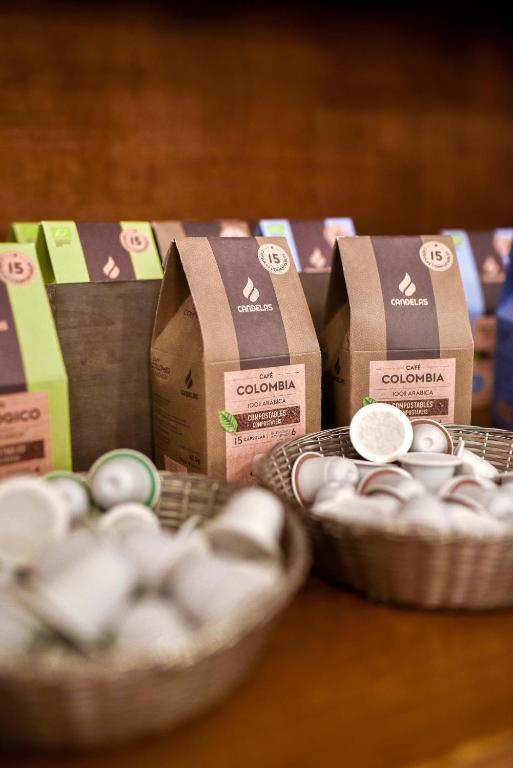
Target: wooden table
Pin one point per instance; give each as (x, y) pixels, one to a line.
(347, 683)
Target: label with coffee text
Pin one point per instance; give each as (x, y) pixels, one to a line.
(25, 444)
(420, 388)
(263, 406)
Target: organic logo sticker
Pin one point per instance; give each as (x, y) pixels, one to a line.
(407, 286)
(250, 291)
(228, 421)
(61, 235)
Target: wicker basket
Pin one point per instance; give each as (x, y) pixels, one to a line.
(76, 702)
(425, 570)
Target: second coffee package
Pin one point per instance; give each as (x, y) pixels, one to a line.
(396, 329)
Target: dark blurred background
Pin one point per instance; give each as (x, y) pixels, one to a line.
(401, 120)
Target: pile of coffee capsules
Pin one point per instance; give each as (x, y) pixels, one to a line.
(410, 477)
(84, 564)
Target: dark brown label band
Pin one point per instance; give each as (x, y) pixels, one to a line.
(105, 257)
(201, 228)
(313, 250)
(256, 314)
(12, 374)
(489, 266)
(408, 298)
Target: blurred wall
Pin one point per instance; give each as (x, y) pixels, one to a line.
(151, 111)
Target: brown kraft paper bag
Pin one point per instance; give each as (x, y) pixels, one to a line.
(396, 329)
(235, 360)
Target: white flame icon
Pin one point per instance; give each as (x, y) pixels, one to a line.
(250, 291)
(111, 269)
(407, 286)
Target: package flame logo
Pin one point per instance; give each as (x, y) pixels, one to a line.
(407, 286)
(250, 291)
(188, 379)
(111, 269)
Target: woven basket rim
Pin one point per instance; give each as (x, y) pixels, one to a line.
(204, 642)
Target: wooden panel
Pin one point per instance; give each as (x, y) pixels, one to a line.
(105, 333)
(136, 111)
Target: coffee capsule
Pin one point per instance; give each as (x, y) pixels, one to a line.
(155, 553)
(18, 626)
(151, 624)
(250, 524)
(74, 492)
(81, 588)
(386, 475)
(431, 469)
(469, 486)
(312, 470)
(381, 432)
(425, 512)
(122, 476)
(33, 514)
(430, 436)
(124, 518)
(212, 589)
(472, 464)
(365, 467)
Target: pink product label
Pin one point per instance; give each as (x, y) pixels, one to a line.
(174, 466)
(420, 388)
(264, 406)
(24, 434)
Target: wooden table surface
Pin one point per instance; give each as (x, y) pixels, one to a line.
(347, 683)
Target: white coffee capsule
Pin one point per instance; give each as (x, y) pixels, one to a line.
(125, 518)
(425, 512)
(33, 514)
(74, 492)
(430, 436)
(79, 596)
(213, 589)
(476, 465)
(381, 432)
(467, 485)
(250, 524)
(18, 626)
(122, 476)
(431, 469)
(312, 470)
(386, 475)
(151, 623)
(155, 554)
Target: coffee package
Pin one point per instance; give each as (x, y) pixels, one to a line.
(23, 232)
(311, 243)
(166, 231)
(502, 409)
(483, 258)
(34, 412)
(397, 329)
(235, 362)
(97, 252)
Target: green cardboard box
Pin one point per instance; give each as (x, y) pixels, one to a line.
(97, 252)
(34, 410)
(23, 232)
